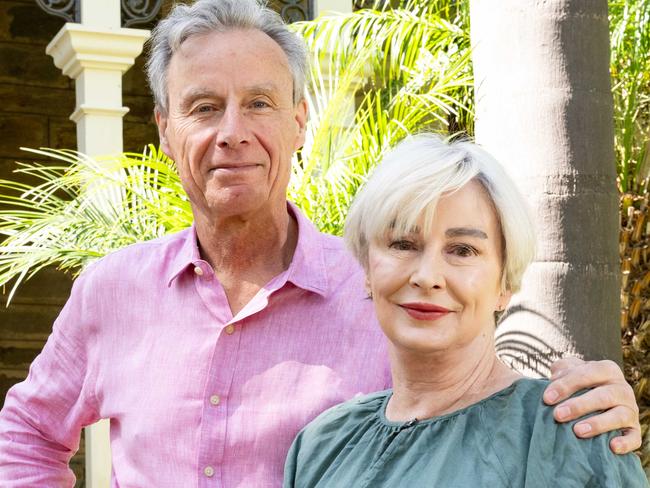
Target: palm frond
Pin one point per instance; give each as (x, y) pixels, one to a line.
(378, 75)
(630, 70)
(84, 209)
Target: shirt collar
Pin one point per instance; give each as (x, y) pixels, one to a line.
(187, 255)
(307, 269)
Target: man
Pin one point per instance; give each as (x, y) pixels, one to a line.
(209, 349)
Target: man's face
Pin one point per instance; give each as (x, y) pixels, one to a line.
(231, 125)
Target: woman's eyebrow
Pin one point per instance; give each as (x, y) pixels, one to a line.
(465, 231)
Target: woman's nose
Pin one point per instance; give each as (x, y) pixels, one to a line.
(428, 274)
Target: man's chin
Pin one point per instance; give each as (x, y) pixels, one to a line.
(233, 203)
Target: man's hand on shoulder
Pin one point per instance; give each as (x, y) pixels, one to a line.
(610, 393)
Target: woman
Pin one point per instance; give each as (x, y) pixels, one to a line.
(444, 238)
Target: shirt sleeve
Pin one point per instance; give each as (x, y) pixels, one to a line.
(42, 418)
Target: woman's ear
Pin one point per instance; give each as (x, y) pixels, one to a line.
(503, 300)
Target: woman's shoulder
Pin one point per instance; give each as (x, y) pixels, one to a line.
(319, 442)
(524, 431)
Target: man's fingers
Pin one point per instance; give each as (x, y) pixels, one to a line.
(628, 442)
(616, 398)
(560, 367)
(571, 375)
(611, 395)
(613, 418)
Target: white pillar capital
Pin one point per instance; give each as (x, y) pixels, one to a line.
(76, 47)
(96, 58)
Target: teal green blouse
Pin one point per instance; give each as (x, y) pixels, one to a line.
(506, 440)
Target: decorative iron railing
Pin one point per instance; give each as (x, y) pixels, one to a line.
(133, 11)
(142, 11)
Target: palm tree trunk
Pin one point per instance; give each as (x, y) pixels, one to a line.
(544, 109)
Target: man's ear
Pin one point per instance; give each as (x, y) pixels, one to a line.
(161, 122)
(301, 115)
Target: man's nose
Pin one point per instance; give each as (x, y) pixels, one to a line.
(428, 273)
(232, 130)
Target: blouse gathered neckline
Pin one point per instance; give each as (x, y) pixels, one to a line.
(381, 412)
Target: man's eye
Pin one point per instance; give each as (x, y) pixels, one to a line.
(201, 109)
(259, 104)
(402, 245)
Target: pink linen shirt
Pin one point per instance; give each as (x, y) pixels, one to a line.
(195, 396)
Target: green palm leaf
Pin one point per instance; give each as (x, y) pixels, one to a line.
(86, 208)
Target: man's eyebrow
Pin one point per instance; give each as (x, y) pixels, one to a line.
(262, 89)
(465, 231)
(188, 97)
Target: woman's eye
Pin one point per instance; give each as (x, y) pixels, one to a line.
(463, 250)
(402, 245)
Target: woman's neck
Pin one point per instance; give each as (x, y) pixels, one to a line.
(431, 384)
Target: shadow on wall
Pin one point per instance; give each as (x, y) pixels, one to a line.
(524, 351)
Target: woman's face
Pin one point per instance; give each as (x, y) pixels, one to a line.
(438, 291)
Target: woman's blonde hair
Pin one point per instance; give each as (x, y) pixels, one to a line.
(407, 184)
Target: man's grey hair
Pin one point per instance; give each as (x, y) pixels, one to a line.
(206, 16)
(412, 177)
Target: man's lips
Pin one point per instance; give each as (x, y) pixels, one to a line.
(424, 311)
(234, 167)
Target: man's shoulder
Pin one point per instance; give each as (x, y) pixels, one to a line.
(139, 258)
(337, 256)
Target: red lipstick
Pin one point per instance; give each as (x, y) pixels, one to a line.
(424, 311)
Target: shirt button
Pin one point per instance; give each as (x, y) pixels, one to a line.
(230, 329)
(198, 271)
(208, 471)
(214, 400)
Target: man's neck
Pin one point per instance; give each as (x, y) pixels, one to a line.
(247, 252)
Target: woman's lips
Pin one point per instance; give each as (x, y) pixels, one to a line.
(424, 311)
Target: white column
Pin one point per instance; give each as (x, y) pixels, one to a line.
(96, 53)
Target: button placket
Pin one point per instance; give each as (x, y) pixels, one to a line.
(214, 421)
